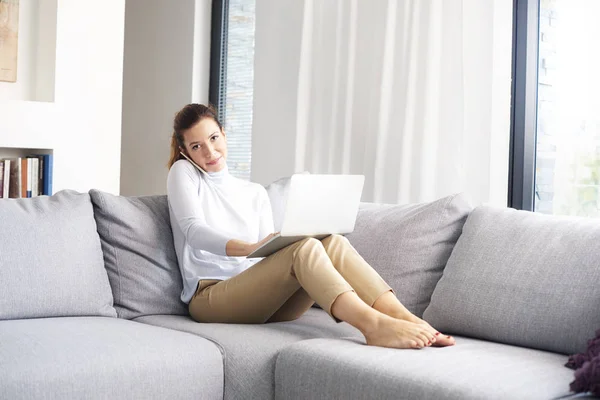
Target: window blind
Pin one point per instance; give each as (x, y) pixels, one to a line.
(236, 83)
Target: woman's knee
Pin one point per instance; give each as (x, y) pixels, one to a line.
(308, 246)
(335, 239)
(309, 243)
(338, 238)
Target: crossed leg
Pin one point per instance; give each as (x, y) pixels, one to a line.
(374, 292)
(362, 277)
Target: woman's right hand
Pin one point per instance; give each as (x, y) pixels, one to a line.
(239, 248)
(256, 245)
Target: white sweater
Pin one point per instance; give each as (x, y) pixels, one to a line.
(208, 210)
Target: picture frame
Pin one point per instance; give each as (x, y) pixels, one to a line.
(9, 39)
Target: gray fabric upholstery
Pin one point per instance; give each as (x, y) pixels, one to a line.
(409, 245)
(105, 358)
(472, 369)
(250, 350)
(522, 278)
(139, 255)
(50, 258)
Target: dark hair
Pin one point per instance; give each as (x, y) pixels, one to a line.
(187, 117)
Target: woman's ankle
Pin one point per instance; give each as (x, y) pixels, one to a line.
(349, 308)
(389, 305)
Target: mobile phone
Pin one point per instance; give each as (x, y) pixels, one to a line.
(193, 163)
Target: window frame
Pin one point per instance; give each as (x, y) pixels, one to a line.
(524, 87)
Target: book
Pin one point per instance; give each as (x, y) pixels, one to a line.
(35, 165)
(14, 189)
(29, 170)
(41, 175)
(6, 184)
(23, 177)
(48, 164)
(1, 178)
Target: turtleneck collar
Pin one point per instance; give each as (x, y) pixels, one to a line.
(219, 176)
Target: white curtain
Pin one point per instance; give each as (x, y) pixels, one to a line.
(414, 94)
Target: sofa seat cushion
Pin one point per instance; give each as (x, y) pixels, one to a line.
(105, 358)
(472, 369)
(250, 350)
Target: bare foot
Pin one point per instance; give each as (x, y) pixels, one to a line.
(389, 305)
(399, 334)
(441, 340)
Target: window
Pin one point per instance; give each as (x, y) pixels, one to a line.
(556, 123)
(232, 77)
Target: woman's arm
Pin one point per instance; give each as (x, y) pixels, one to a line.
(182, 190)
(265, 229)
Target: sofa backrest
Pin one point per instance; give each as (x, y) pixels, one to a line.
(51, 262)
(522, 278)
(139, 255)
(408, 245)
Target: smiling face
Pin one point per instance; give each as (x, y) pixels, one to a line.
(206, 144)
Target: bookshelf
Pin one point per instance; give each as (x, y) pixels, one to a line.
(12, 152)
(27, 106)
(26, 172)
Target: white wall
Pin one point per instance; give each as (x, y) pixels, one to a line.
(276, 71)
(166, 66)
(83, 123)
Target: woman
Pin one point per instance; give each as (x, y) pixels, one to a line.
(217, 220)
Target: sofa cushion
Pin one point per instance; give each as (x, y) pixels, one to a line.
(522, 278)
(250, 350)
(50, 258)
(105, 358)
(139, 255)
(409, 244)
(472, 369)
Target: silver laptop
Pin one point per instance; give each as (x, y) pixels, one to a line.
(316, 206)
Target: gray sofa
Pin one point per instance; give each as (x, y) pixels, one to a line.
(90, 308)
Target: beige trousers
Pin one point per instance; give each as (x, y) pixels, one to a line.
(286, 284)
